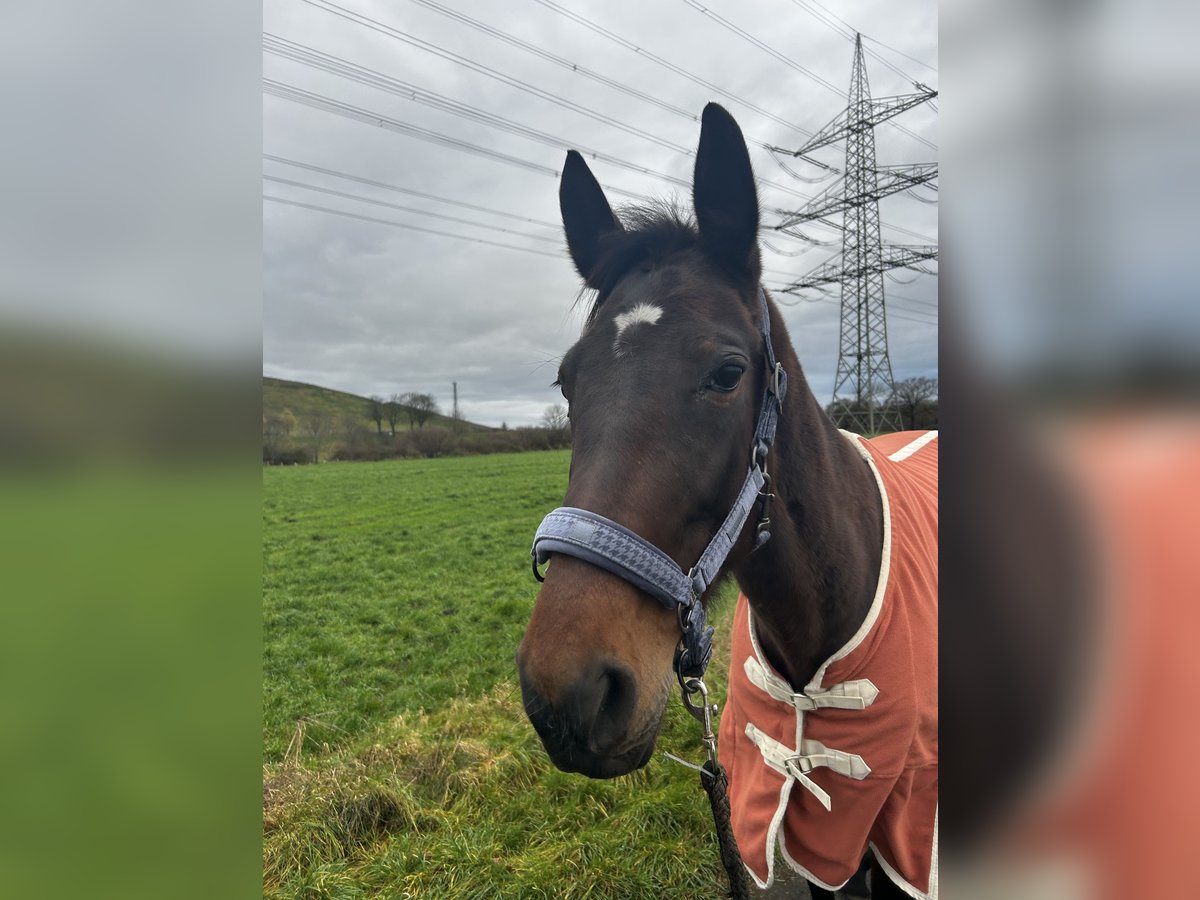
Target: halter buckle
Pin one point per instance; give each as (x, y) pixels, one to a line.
(762, 533)
(777, 383)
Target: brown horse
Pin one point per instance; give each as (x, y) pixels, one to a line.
(663, 389)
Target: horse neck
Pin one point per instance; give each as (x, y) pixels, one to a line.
(811, 585)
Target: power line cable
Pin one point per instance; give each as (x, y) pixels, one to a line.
(335, 65)
(318, 59)
(910, 233)
(288, 92)
(403, 190)
(791, 254)
(766, 48)
(891, 314)
(850, 31)
(891, 303)
(318, 101)
(828, 296)
(487, 71)
(542, 53)
(658, 60)
(478, 240)
(409, 209)
(775, 54)
(346, 110)
(794, 232)
(327, 62)
(777, 291)
(875, 40)
(373, 183)
(889, 300)
(407, 226)
(830, 171)
(358, 114)
(913, 299)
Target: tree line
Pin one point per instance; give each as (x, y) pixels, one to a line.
(320, 435)
(416, 407)
(915, 399)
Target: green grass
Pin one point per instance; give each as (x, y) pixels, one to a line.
(399, 762)
(305, 399)
(128, 732)
(395, 586)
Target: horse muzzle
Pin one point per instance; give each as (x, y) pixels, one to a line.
(587, 728)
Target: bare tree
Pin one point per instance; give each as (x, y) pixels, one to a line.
(276, 428)
(317, 427)
(909, 394)
(404, 401)
(351, 429)
(392, 409)
(556, 421)
(420, 407)
(555, 417)
(376, 409)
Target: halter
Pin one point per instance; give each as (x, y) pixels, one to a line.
(613, 547)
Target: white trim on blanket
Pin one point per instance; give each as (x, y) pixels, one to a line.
(913, 446)
(899, 880)
(808, 876)
(785, 793)
(884, 567)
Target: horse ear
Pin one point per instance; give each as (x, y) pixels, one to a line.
(587, 217)
(724, 195)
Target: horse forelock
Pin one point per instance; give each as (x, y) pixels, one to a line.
(651, 233)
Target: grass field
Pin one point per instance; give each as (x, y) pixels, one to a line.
(399, 762)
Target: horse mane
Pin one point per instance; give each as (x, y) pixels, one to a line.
(652, 232)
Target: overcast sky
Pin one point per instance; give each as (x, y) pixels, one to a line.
(377, 309)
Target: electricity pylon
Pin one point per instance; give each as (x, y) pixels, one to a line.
(864, 369)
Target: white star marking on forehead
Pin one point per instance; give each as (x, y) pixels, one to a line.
(642, 313)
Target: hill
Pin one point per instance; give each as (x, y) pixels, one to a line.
(304, 399)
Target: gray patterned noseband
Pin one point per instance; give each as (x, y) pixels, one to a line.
(613, 547)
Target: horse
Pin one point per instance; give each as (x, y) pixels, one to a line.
(681, 355)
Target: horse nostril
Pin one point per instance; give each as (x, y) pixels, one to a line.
(604, 700)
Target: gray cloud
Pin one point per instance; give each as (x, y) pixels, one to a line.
(369, 308)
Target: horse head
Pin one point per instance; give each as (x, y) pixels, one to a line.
(663, 387)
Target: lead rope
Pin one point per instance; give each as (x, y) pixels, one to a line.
(716, 785)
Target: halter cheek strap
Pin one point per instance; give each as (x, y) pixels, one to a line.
(613, 547)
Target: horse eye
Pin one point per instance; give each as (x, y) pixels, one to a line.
(727, 377)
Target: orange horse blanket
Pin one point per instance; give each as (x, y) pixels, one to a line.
(851, 761)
